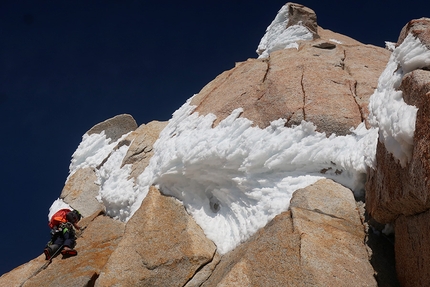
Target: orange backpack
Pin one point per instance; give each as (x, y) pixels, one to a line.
(58, 218)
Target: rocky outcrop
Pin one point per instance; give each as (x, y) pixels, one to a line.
(400, 194)
(302, 15)
(320, 242)
(115, 127)
(81, 188)
(141, 143)
(332, 235)
(99, 239)
(162, 246)
(420, 28)
(80, 191)
(322, 81)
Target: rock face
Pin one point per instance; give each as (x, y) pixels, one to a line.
(81, 190)
(141, 147)
(95, 248)
(401, 195)
(299, 14)
(115, 127)
(328, 84)
(319, 241)
(164, 247)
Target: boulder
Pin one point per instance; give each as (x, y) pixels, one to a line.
(203, 274)
(412, 249)
(302, 15)
(332, 235)
(115, 127)
(271, 257)
(320, 242)
(140, 150)
(21, 274)
(162, 246)
(420, 28)
(400, 194)
(80, 191)
(393, 190)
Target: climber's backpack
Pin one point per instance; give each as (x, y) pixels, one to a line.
(58, 218)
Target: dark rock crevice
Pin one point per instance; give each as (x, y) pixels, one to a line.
(203, 273)
(263, 81)
(304, 93)
(92, 281)
(353, 89)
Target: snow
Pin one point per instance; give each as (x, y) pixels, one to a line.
(92, 150)
(388, 111)
(56, 206)
(278, 37)
(391, 46)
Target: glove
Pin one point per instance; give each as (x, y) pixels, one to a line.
(54, 231)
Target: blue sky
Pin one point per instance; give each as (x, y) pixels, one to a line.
(68, 65)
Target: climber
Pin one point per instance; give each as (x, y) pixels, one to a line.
(63, 236)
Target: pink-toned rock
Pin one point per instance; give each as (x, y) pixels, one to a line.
(141, 149)
(332, 235)
(320, 242)
(115, 127)
(203, 274)
(336, 37)
(162, 246)
(393, 190)
(94, 246)
(324, 82)
(401, 195)
(413, 249)
(19, 275)
(271, 257)
(420, 28)
(81, 190)
(302, 15)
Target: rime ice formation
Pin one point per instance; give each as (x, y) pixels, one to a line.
(233, 178)
(388, 111)
(279, 37)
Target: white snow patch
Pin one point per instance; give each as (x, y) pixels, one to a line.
(92, 150)
(278, 37)
(57, 205)
(388, 111)
(390, 46)
(117, 191)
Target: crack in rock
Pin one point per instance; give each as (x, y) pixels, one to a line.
(263, 81)
(304, 93)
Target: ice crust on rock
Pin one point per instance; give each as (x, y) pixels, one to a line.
(92, 150)
(278, 37)
(234, 178)
(388, 111)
